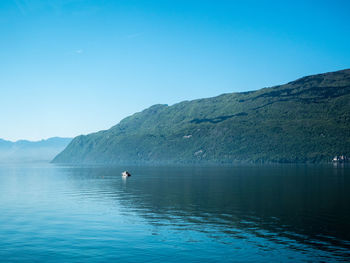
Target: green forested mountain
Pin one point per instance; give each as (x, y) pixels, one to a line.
(307, 120)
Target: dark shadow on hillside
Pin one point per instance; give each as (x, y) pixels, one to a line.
(218, 119)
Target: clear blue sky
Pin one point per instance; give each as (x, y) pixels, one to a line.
(71, 67)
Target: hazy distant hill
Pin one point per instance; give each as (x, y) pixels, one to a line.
(307, 120)
(28, 151)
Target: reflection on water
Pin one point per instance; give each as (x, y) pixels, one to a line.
(264, 213)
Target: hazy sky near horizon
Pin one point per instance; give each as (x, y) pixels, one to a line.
(72, 67)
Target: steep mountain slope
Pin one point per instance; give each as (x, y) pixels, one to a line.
(28, 151)
(307, 120)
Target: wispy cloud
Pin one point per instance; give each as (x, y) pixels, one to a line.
(21, 5)
(79, 51)
(134, 35)
(26, 6)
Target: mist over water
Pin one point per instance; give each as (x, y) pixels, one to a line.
(245, 213)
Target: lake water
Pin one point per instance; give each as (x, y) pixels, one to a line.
(171, 214)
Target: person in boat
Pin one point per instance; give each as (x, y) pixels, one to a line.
(126, 174)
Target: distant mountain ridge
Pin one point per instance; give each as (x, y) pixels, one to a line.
(307, 120)
(28, 151)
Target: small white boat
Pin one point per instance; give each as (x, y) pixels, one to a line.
(126, 174)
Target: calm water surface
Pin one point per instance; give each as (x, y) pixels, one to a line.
(170, 214)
